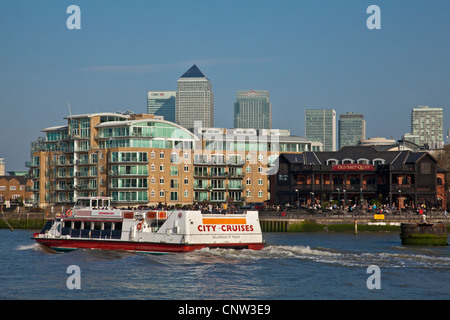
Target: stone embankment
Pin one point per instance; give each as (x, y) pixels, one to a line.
(272, 221)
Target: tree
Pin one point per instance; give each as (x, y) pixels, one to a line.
(443, 160)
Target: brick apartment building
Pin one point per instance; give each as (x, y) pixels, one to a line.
(141, 159)
(15, 188)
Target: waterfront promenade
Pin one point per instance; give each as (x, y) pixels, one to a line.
(279, 220)
(282, 220)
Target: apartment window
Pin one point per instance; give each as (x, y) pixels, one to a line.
(174, 196)
(248, 169)
(186, 168)
(186, 181)
(152, 180)
(12, 188)
(152, 193)
(186, 193)
(174, 183)
(161, 180)
(249, 194)
(260, 169)
(161, 193)
(152, 154)
(173, 158)
(173, 170)
(161, 155)
(248, 181)
(161, 168)
(152, 167)
(260, 194)
(260, 182)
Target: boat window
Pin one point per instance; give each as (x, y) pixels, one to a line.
(77, 225)
(117, 225)
(47, 226)
(107, 226)
(94, 203)
(97, 225)
(83, 203)
(86, 229)
(116, 233)
(87, 225)
(156, 225)
(66, 228)
(95, 232)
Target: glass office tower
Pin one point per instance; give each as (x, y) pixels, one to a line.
(428, 124)
(253, 109)
(320, 125)
(162, 103)
(352, 129)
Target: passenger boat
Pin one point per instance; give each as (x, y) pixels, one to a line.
(93, 224)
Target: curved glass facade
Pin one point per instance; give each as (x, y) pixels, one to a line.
(145, 134)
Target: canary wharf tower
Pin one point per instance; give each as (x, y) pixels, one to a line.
(195, 99)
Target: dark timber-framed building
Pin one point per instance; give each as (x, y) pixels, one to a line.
(358, 174)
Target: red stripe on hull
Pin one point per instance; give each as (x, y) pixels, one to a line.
(140, 246)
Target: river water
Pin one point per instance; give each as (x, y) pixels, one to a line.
(298, 266)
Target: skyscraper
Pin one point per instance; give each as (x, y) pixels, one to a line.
(352, 129)
(162, 103)
(253, 109)
(195, 99)
(320, 125)
(428, 124)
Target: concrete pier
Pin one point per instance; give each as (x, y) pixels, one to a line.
(424, 234)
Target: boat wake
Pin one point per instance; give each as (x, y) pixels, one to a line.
(33, 246)
(36, 247)
(396, 259)
(324, 255)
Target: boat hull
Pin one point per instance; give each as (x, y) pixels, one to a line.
(64, 245)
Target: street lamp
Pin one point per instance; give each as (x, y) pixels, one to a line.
(339, 196)
(345, 198)
(298, 199)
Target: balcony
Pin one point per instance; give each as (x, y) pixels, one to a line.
(30, 164)
(333, 188)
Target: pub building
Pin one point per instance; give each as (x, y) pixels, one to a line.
(357, 175)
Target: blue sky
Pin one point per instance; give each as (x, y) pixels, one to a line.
(308, 54)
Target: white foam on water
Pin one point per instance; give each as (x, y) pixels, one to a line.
(33, 246)
(323, 255)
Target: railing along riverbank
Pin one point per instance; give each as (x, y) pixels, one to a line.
(272, 221)
(303, 220)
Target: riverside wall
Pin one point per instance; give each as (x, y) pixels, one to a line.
(270, 221)
(281, 222)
